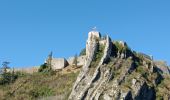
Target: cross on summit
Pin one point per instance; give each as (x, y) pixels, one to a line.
(94, 28)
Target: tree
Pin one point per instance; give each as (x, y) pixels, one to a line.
(43, 68)
(75, 60)
(5, 75)
(47, 66)
(83, 52)
(13, 76)
(49, 60)
(5, 66)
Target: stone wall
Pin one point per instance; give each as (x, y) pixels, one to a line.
(29, 70)
(59, 63)
(80, 60)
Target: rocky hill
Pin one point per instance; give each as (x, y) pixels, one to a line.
(113, 71)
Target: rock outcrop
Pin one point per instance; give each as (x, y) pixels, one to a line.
(112, 71)
(162, 66)
(84, 77)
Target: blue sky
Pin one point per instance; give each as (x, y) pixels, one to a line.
(30, 29)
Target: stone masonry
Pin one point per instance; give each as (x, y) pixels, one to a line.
(59, 63)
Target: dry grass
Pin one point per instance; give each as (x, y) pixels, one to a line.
(41, 85)
(163, 89)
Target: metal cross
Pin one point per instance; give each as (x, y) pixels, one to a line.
(94, 28)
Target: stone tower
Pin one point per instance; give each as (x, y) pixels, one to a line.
(93, 36)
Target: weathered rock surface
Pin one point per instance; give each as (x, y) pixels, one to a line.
(162, 66)
(113, 72)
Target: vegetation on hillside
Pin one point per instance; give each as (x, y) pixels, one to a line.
(42, 84)
(141, 70)
(6, 76)
(163, 89)
(98, 55)
(49, 84)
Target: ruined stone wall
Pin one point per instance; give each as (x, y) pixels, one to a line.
(29, 70)
(80, 60)
(58, 63)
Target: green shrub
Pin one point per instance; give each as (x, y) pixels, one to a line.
(7, 78)
(43, 91)
(118, 46)
(99, 53)
(142, 71)
(21, 74)
(44, 68)
(83, 52)
(122, 48)
(97, 58)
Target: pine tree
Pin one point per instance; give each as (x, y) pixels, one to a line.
(75, 60)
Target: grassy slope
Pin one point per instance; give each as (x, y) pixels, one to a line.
(39, 85)
(58, 86)
(163, 89)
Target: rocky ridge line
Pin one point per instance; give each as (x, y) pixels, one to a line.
(117, 74)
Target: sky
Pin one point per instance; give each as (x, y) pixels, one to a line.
(30, 29)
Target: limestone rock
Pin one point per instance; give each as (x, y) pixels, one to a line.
(93, 36)
(83, 79)
(115, 74)
(162, 66)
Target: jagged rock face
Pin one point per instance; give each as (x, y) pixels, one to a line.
(162, 66)
(115, 73)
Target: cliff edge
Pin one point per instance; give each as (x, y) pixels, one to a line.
(112, 71)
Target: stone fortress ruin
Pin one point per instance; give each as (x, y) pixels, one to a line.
(60, 63)
(98, 78)
(106, 68)
(91, 44)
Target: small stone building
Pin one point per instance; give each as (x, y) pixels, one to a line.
(58, 63)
